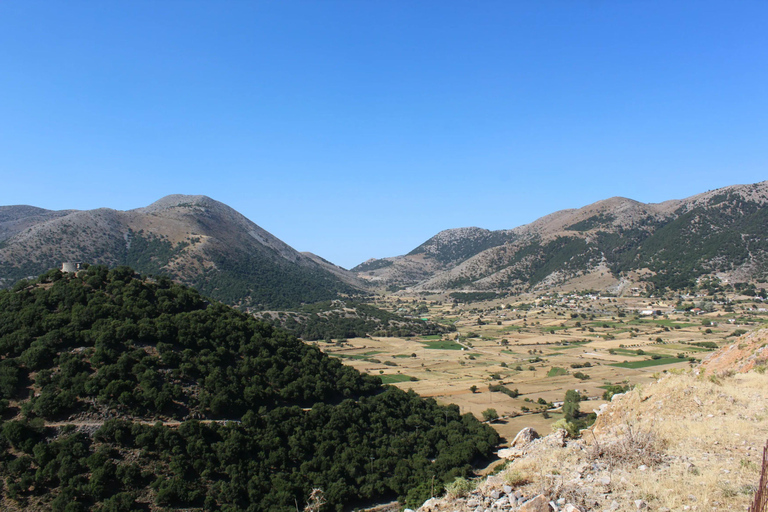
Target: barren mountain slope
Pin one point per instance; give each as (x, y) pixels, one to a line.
(15, 219)
(442, 251)
(721, 233)
(194, 239)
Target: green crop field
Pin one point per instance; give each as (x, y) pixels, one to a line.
(649, 362)
(663, 323)
(443, 345)
(358, 356)
(394, 378)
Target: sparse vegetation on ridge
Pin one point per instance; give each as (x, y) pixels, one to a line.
(192, 239)
(655, 246)
(350, 319)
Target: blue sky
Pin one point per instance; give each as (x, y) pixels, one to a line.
(359, 129)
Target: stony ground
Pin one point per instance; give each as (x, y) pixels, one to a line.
(691, 440)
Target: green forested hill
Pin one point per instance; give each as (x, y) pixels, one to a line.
(119, 393)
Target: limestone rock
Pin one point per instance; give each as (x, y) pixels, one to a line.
(538, 504)
(556, 439)
(501, 503)
(429, 505)
(510, 453)
(524, 437)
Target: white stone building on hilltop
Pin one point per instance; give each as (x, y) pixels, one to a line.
(71, 266)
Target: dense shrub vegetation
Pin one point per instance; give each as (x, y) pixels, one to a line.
(197, 405)
(349, 319)
(475, 296)
(722, 236)
(256, 281)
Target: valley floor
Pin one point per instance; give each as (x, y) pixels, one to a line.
(542, 347)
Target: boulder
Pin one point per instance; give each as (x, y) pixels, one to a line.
(538, 504)
(510, 453)
(556, 439)
(430, 505)
(524, 437)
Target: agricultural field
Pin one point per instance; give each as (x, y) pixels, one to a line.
(530, 352)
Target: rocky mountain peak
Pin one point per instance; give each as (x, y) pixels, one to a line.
(178, 200)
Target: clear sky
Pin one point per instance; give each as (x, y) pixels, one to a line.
(359, 129)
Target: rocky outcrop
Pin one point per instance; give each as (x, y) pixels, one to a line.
(748, 352)
(685, 442)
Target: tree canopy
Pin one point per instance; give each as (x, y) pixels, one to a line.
(174, 399)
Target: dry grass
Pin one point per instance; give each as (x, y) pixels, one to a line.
(631, 447)
(684, 441)
(516, 478)
(315, 501)
(459, 488)
(702, 435)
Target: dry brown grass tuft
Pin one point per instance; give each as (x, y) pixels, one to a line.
(633, 447)
(315, 501)
(760, 504)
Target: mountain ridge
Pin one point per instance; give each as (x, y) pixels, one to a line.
(627, 239)
(192, 238)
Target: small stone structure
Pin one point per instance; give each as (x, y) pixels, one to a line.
(71, 266)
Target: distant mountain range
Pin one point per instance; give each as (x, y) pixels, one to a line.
(617, 244)
(193, 239)
(613, 245)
